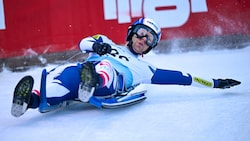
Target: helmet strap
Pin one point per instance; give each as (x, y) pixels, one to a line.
(131, 48)
(147, 51)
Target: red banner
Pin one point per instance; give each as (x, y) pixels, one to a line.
(44, 26)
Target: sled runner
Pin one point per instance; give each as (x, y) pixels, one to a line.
(119, 101)
(125, 100)
(44, 107)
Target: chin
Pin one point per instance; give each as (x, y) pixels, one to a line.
(139, 52)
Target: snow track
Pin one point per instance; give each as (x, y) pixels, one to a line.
(176, 113)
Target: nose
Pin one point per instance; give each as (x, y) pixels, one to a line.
(144, 38)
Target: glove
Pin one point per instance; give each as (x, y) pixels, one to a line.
(226, 83)
(101, 48)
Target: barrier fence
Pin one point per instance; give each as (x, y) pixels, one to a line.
(34, 27)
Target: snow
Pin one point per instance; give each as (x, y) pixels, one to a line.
(175, 113)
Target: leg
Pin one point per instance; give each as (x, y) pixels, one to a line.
(108, 79)
(61, 89)
(97, 79)
(64, 86)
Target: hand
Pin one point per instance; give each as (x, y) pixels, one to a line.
(226, 83)
(101, 48)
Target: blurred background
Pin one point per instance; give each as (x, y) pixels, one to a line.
(48, 31)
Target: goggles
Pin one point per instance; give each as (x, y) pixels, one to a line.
(143, 31)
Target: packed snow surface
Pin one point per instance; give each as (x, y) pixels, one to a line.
(173, 113)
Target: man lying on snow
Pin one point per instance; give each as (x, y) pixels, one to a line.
(110, 75)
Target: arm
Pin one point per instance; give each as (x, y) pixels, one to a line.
(86, 44)
(178, 78)
(97, 43)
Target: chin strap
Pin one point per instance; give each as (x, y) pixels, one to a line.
(131, 48)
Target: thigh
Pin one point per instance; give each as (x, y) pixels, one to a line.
(69, 80)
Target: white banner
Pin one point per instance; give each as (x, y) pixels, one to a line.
(2, 18)
(124, 10)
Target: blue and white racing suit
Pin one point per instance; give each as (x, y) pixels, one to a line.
(120, 66)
